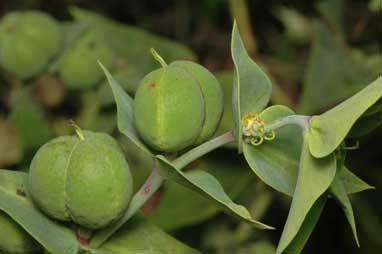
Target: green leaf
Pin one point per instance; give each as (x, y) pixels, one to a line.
(30, 121)
(298, 243)
(338, 190)
(207, 185)
(71, 31)
(276, 162)
(365, 125)
(314, 178)
(327, 131)
(14, 201)
(230, 170)
(125, 112)
(333, 74)
(139, 237)
(252, 88)
(333, 13)
(132, 44)
(352, 183)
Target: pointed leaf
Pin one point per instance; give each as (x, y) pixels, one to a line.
(30, 121)
(276, 162)
(252, 88)
(15, 202)
(207, 185)
(314, 178)
(131, 43)
(328, 130)
(338, 190)
(333, 73)
(298, 243)
(125, 112)
(352, 183)
(230, 170)
(139, 237)
(365, 125)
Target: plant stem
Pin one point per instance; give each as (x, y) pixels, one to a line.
(299, 120)
(203, 149)
(158, 57)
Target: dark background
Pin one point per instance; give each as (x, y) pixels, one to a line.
(205, 26)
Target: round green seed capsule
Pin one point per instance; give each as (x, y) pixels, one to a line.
(84, 179)
(28, 41)
(213, 97)
(79, 67)
(169, 109)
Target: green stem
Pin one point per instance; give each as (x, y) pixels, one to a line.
(203, 149)
(155, 181)
(158, 57)
(77, 129)
(299, 120)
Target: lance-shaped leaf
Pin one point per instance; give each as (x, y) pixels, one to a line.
(130, 43)
(332, 74)
(251, 89)
(299, 241)
(207, 185)
(276, 162)
(327, 131)
(352, 183)
(125, 112)
(338, 190)
(14, 201)
(139, 237)
(29, 118)
(365, 125)
(314, 178)
(232, 169)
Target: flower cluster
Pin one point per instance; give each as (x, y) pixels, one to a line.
(254, 129)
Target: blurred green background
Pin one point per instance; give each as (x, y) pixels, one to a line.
(317, 54)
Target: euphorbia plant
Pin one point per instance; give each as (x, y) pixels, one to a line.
(176, 111)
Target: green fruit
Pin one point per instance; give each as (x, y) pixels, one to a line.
(79, 68)
(14, 239)
(86, 180)
(169, 109)
(28, 41)
(213, 96)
